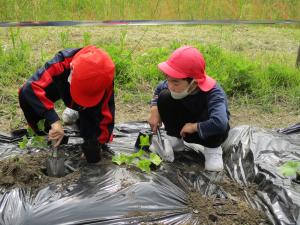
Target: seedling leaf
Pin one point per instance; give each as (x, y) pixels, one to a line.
(290, 168)
(155, 159)
(144, 165)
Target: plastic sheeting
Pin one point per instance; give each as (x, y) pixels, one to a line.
(110, 194)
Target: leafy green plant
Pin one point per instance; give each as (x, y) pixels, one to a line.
(33, 140)
(290, 168)
(140, 159)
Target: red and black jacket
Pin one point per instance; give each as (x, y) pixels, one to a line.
(50, 83)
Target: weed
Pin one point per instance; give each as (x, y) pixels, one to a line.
(65, 39)
(86, 38)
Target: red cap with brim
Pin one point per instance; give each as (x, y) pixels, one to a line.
(93, 74)
(85, 100)
(205, 83)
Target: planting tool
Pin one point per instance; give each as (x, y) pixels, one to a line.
(162, 147)
(55, 164)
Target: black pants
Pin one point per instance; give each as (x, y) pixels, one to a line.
(176, 113)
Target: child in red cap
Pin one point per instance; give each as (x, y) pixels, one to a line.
(83, 79)
(192, 106)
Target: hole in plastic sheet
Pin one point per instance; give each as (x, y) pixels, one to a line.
(296, 181)
(213, 218)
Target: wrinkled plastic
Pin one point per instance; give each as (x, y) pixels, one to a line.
(291, 129)
(251, 155)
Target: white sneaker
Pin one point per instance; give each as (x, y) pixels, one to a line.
(176, 143)
(213, 159)
(69, 116)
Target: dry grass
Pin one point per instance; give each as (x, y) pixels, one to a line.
(257, 42)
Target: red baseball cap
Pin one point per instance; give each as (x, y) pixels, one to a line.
(92, 74)
(188, 62)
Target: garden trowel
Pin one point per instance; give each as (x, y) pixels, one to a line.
(162, 147)
(55, 164)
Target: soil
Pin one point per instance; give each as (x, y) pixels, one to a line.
(234, 210)
(29, 171)
(223, 211)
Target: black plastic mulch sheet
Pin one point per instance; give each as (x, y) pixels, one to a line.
(110, 194)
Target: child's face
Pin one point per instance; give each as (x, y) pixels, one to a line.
(177, 85)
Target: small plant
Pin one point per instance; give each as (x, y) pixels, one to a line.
(33, 140)
(140, 159)
(87, 38)
(291, 168)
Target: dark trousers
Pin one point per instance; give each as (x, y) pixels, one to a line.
(176, 113)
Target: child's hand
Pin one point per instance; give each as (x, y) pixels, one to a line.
(56, 133)
(188, 128)
(154, 119)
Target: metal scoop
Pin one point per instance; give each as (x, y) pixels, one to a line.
(162, 147)
(55, 164)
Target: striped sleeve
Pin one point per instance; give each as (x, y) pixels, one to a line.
(34, 90)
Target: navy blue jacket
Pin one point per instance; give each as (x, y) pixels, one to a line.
(213, 103)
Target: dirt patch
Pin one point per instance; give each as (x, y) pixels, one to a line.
(224, 211)
(236, 190)
(137, 214)
(29, 171)
(126, 183)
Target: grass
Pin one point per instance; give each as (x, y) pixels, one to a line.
(39, 10)
(259, 75)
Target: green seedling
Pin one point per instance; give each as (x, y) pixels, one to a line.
(290, 168)
(144, 165)
(155, 159)
(122, 159)
(33, 140)
(144, 141)
(140, 159)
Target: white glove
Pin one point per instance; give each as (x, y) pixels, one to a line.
(70, 116)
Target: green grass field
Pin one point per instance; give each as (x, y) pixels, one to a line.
(28, 10)
(254, 63)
